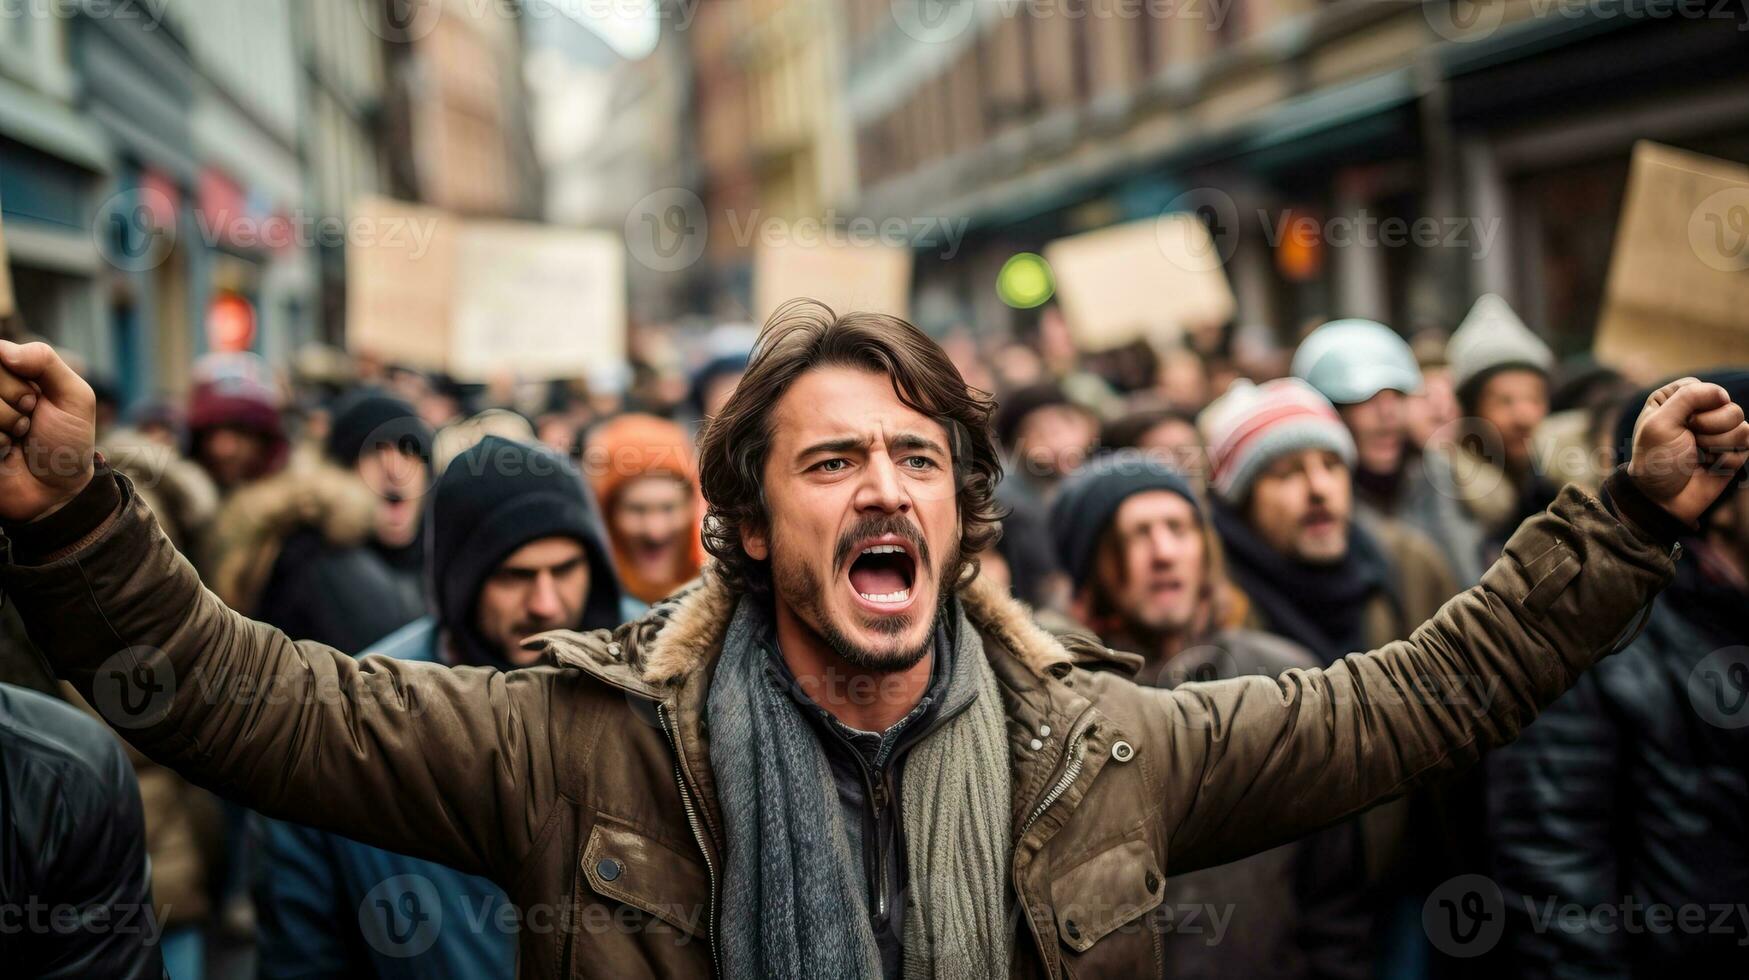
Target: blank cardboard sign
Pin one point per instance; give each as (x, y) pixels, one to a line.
(1678, 282)
(866, 277)
(1143, 280)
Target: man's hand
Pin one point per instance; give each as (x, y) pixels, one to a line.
(48, 432)
(1689, 442)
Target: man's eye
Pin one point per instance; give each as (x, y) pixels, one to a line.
(920, 462)
(834, 465)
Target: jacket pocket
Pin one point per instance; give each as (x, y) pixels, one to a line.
(627, 866)
(1106, 893)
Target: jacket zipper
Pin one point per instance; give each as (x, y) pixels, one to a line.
(698, 836)
(1078, 754)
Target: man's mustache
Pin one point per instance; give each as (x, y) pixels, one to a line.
(877, 527)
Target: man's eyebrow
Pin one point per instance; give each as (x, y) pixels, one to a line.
(841, 445)
(911, 440)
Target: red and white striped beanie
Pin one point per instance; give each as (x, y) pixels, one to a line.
(1251, 426)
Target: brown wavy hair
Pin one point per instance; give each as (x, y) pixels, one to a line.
(805, 334)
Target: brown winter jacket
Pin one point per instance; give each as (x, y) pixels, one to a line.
(584, 787)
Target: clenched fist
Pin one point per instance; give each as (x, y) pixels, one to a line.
(48, 432)
(1689, 442)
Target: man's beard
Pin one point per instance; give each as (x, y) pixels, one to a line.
(802, 590)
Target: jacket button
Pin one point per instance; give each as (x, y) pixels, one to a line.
(1122, 751)
(1044, 731)
(1072, 929)
(1153, 882)
(608, 869)
(1035, 744)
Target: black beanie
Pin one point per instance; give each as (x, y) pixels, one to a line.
(492, 500)
(367, 419)
(1091, 497)
(1020, 403)
(1735, 382)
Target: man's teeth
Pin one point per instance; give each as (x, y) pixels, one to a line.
(884, 549)
(894, 597)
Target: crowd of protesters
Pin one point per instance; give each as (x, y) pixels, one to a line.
(1224, 506)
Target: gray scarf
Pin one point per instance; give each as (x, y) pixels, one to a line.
(793, 900)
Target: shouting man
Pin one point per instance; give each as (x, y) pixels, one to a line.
(673, 797)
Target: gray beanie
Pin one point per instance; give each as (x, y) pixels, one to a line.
(1350, 361)
(1493, 338)
(1091, 497)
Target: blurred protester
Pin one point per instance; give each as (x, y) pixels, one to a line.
(1501, 373)
(1028, 564)
(160, 421)
(1146, 573)
(1574, 440)
(1047, 436)
(1370, 375)
(647, 482)
(1436, 406)
(330, 549)
(1164, 434)
(517, 549)
(74, 882)
(712, 385)
(1184, 380)
(1317, 572)
(235, 429)
(176, 487)
(1627, 798)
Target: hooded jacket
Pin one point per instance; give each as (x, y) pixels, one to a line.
(584, 787)
(316, 892)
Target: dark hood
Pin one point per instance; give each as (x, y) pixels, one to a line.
(492, 500)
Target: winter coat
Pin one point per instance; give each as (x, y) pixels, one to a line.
(295, 551)
(73, 880)
(1631, 795)
(1294, 911)
(324, 910)
(1426, 500)
(584, 787)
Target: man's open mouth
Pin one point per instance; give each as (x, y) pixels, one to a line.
(883, 573)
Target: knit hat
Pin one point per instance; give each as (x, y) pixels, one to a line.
(236, 391)
(633, 446)
(492, 500)
(1251, 425)
(1350, 361)
(370, 418)
(1089, 500)
(1491, 339)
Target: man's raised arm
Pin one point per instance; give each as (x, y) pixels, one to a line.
(1252, 762)
(452, 765)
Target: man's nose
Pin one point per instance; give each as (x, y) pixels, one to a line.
(1163, 546)
(543, 597)
(881, 487)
